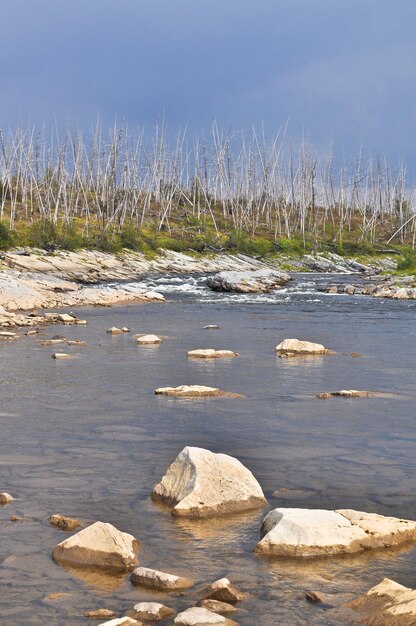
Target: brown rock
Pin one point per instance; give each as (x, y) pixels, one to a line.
(315, 597)
(387, 604)
(162, 581)
(216, 606)
(152, 611)
(5, 498)
(224, 591)
(99, 614)
(63, 522)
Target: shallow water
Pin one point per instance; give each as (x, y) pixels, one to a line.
(88, 438)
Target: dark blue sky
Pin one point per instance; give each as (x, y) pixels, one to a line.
(340, 71)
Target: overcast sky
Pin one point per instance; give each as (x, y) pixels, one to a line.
(343, 72)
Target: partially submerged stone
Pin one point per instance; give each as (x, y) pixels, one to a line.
(387, 604)
(148, 339)
(348, 393)
(66, 318)
(99, 614)
(290, 532)
(193, 391)
(121, 621)
(76, 342)
(125, 329)
(114, 331)
(210, 353)
(152, 611)
(7, 334)
(216, 606)
(200, 483)
(162, 581)
(211, 326)
(62, 355)
(100, 545)
(295, 347)
(315, 597)
(258, 281)
(199, 616)
(224, 591)
(5, 498)
(63, 522)
(52, 342)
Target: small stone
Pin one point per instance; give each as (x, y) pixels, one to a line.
(333, 289)
(62, 355)
(224, 591)
(81, 322)
(6, 334)
(66, 318)
(99, 614)
(125, 329)
(210, 326)
(114, 331)
(62, 522)
(76, 342)
(295, 347)
(31, 332)
(51, 342)
(152, 611)
(209, 353)
(15, 518)
(121, 621)
(216, 606)
(148, 339)
(57, 596)
(5, 498)
(162, 581)
(315, 597)
(199, 616)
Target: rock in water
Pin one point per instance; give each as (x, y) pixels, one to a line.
(316, 532)
(248, 282)
(100, 545)
(146, 339)
(152, 611)
(294, 347)
(121, 621)
(199, 616)
(5, 498)
(216, 606)
(387, 604)
(210, 353)
(200, 483)
(63, 522)
(224, 591)
(99, 614)
(194, 391)
(162, 581)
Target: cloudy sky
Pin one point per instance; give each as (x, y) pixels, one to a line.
(340, 72)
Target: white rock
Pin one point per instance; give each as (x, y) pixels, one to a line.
(211, 326)
(387, 603)
(5, 498)
(154, 295)
(125, 329)
(292, 347)
(401, 294)
(62, 355)
(114, 331)
(121, 621)
(199, 616)
(155, 579)
(66, 318)
(152, 611)
(290, 532)
(224, 591)
(193, 391)
(209, 353)
(200, 483)
(100, 545)
(6, 334)
(263, 280)
(148, 339)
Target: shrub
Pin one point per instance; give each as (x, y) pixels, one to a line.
(5, 237)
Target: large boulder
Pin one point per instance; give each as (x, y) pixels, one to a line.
(248, 282)
(295, 347)
(200, 483)
(100, 545)
(314, 532)
(199, 616)
(387, 604)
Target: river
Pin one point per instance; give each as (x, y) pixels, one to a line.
(88, 438)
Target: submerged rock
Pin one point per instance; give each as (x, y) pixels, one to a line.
(200, 483)
(99, 614)
(162, 581)
(350, 393)
(62, 355)
(294, 347)
(248, 282)
(216, 606)
(223, 591)
(210, 353)
(387, 604)
(63, 522)
(289, 532)
(199, 616)
(100, 545)
(194, 391)
(114, 331)
(152, 611)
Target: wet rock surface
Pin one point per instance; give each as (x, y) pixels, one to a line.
(162, 581)
(387, 604)
(260, 281)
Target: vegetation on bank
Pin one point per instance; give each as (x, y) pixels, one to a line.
(222, 193)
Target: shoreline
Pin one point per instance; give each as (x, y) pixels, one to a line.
(35, 279)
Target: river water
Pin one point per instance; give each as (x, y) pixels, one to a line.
(88, 438)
